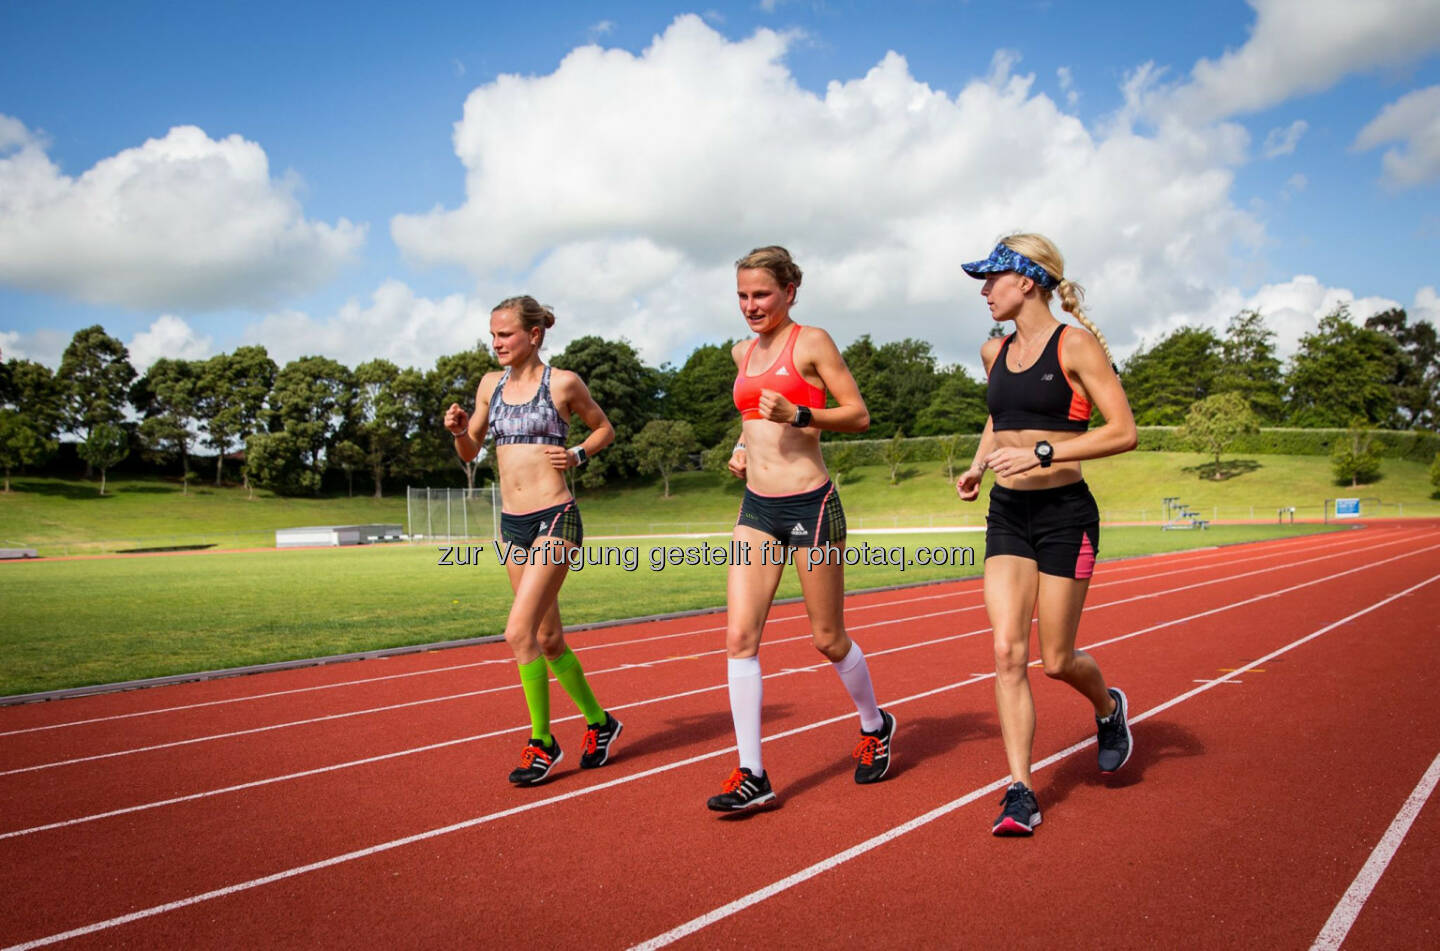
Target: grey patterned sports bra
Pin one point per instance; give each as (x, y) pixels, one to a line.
(537, 421)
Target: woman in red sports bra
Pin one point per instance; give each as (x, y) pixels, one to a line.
(1043, 529)
(790, 511)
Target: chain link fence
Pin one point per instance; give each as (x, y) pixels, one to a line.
(449, 514)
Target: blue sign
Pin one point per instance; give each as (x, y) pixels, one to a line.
(1347, 508)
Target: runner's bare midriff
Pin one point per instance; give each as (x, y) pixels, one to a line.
(1059, 473)
(528, 480)
(782, 459)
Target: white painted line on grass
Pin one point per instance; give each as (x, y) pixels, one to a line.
(825, 865)
(1343, 917)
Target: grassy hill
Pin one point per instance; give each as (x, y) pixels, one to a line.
(69, 516)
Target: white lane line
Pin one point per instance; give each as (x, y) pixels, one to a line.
(735, 906)
(825, 865)
(1272, 551)
(916, 617)
(1348, 909)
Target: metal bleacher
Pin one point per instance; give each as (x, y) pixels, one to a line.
(1178, 515)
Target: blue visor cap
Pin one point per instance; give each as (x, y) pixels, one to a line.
(1006, 259)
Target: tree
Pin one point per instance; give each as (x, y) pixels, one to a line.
(895, 379)
(94, 375)
(894, 455)
(32, 390)
(230, 399)
(950, 453)
(106, 445)
(348, 457)
(664, 446)
(1416, 382)
(626, 389)
(313, 401)
(273, 461)
(454, 380)
(1355, 458)
(389, 407)
(842, 461)
(1342, 372)
(1165, 380)
(1248, 366)
(20, 444)
(166, 396)
(700, 391)
(1215, 422)
(957, 406)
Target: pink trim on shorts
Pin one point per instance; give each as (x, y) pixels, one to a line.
(1085, 561)
(821, 520)
(571, 504)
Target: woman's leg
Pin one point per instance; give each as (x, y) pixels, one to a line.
(749, 591)
(1010, 592)
(1060, 603)
(824, 588)
(535, 587)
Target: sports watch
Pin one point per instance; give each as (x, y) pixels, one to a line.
(580, 457)
(1045, 453)
(802, 417)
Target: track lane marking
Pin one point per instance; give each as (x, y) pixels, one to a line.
(840, 858)
(1337, 927)
(775, 888)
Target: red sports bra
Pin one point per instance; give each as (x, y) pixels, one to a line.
(782, 377)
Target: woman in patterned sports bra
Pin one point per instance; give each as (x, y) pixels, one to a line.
(527, 409)
(1043, 530)
(790, 509)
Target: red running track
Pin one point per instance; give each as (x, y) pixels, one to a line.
(1280, 694)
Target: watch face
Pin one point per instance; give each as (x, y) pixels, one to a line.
(1043, 449)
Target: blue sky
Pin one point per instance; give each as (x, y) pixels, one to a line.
(325, 189)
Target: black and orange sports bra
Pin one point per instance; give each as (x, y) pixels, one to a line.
(1038, 397)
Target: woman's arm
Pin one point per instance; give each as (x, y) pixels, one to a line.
(575, 397)
(815, 349)
(469, 430)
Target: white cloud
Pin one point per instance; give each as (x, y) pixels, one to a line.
(1425, 306)
(1303, 46)
(1067, 85)
(168, 336)
(42, 346)
(1414, 120)
(1282, 140)
(615, 202)
(603, 28)
(180, 223)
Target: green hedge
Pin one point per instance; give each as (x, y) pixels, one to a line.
(1393, 444)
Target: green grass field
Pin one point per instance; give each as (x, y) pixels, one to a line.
(83, 621)
(101, 620)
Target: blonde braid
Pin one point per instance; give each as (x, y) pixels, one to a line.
(1071, 296)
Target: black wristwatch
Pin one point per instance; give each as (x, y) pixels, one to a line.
(1045, 453)
(580, 457)
(802, 417)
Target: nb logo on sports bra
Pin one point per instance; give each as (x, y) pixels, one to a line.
(1047, 378)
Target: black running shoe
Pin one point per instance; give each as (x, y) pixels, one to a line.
(536, 762)
(1021, 813)
(1114, 735)
(743, 790)
(598, 737)
(873, 752)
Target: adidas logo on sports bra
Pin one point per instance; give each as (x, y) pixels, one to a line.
(782, 372)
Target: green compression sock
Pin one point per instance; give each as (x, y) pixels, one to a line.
(536, 683)
(567, 670)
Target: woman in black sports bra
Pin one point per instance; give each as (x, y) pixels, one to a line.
(1043, 529)
(527, 409)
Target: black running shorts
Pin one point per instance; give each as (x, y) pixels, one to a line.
(561, 521)
(806, 520)
(1058, 529)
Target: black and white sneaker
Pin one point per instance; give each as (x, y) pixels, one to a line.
(598, 737)
(536, 762)
(873, 751)
(1114, 735)
(743, 790)
(1020, 813)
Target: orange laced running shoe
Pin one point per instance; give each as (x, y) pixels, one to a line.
(595, 750)
(536, 762)
(743, 790)
(873, 751)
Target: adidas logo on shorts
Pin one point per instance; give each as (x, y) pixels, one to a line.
(798, 530)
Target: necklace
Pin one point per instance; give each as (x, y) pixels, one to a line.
(1024, 359)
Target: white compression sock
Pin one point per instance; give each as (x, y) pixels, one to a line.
(747, 691)
(855, 675)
